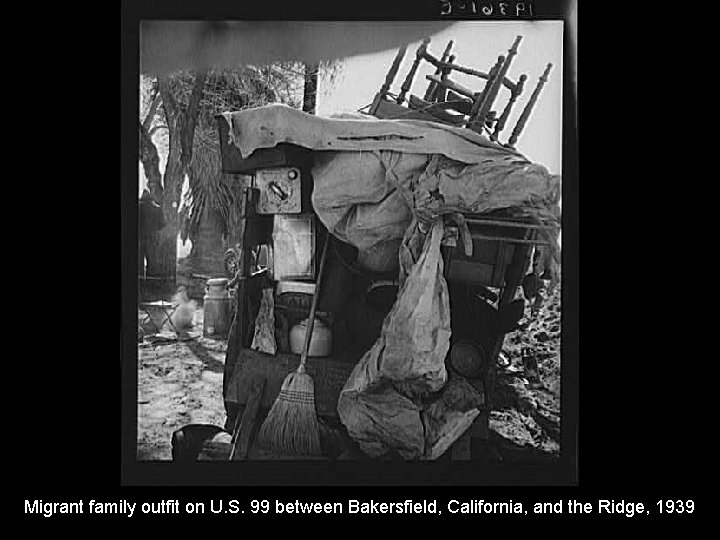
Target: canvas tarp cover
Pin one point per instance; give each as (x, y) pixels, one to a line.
(265, 127)
(370, 176)
(385, 185)
(369, 198)
(396, 399)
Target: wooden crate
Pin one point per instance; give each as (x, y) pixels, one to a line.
(490, 258)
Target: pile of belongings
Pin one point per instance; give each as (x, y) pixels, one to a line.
(384, 186)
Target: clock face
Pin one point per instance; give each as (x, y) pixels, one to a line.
(279, 190)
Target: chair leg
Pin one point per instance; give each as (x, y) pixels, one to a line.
(168, 319)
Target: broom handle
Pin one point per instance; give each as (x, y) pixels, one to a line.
(313, 307)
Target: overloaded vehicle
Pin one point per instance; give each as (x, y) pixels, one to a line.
(378, 266)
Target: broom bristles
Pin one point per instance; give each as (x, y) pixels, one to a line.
(291, 426)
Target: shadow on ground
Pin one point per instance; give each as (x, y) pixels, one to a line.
(498, 449)
(202, 354)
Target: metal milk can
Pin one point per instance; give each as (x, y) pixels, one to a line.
(216, 309)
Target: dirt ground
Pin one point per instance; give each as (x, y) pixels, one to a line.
(527, 402)
(180, 383)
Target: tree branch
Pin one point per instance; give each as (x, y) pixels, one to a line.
(153, 129)
(153, 109)
(170, 104)
(310, 88)
(189, 120)
(151, 163)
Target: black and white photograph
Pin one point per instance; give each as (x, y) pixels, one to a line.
(349, 275)
(349, 241)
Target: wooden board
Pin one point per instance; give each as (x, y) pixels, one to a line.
(247, 421)
(329, 376)
(281, 155)
(473, 273)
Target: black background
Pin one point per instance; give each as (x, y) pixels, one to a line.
(631, 397)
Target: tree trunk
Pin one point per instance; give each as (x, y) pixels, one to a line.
(151, 163)
(172, 187)
(208, 249)
(181, 130)
(310, 89)
(167, 254)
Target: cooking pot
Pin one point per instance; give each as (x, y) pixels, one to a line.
(468, 358)
(320, 342)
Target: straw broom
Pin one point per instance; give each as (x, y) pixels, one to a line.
(291, 426)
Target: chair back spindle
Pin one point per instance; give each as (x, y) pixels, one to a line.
(520, 125)
(492, 75)
(405, 88)
(389, 78)
(492, 93)
(430, 92)
(514, 94)
(441, 91)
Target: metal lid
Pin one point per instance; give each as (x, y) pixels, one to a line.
(318, 323)
(468, 358)
(305, 287)
(217, 282)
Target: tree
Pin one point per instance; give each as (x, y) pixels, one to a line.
(180, 121)
(310, 88)
(181, 109)
(210, 212)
